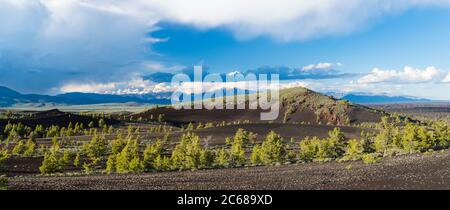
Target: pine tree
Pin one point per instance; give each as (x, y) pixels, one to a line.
(30, 148)
(118, 144)
(309, 149)
(410, 138)
(188, 153)
(111, 163)
(101, 123)
(66, 158)
(222, 158)
(354, 150)
(206, 158)
(241, 138)
(255, 156)
(76, 161)
(160, 118)
(272, 149)
(51, 162)
(96, 149)
(19, 148)
(110, 129)
(128, 159)
(151, 153)
(4, 155)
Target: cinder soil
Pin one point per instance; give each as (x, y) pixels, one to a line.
(430, 171)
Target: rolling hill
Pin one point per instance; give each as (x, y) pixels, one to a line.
(296, 105)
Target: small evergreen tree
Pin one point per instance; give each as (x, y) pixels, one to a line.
(96, 149)
(19, 148)
(354, 150)
(101, 123)
(66, 158)
(128, 159)
(188, 153)
(76, 160)
(206, 158)
(161, 163)
(411, 139)
(241, 138)
(4, 155)
(3, 183)
(111, 164)
(30, 148)
(222, 158)
(309, 149)
(151, 153)
(51, 162)
(255, 156)
(91, 124)
(117, 144)
(160, 118)
(272, 149)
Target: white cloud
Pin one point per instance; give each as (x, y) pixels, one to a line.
(284, 20)
(89, 88)
(447, 78)
(69, 39)
(107, 40)
(321, 66)
(408, 75)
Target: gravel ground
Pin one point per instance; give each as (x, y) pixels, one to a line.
(430, 171)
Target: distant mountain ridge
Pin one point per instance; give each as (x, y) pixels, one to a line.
(366, 98)
(9, 97)
(369, 98)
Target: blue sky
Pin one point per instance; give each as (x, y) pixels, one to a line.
(393, 47)
(419, 38)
